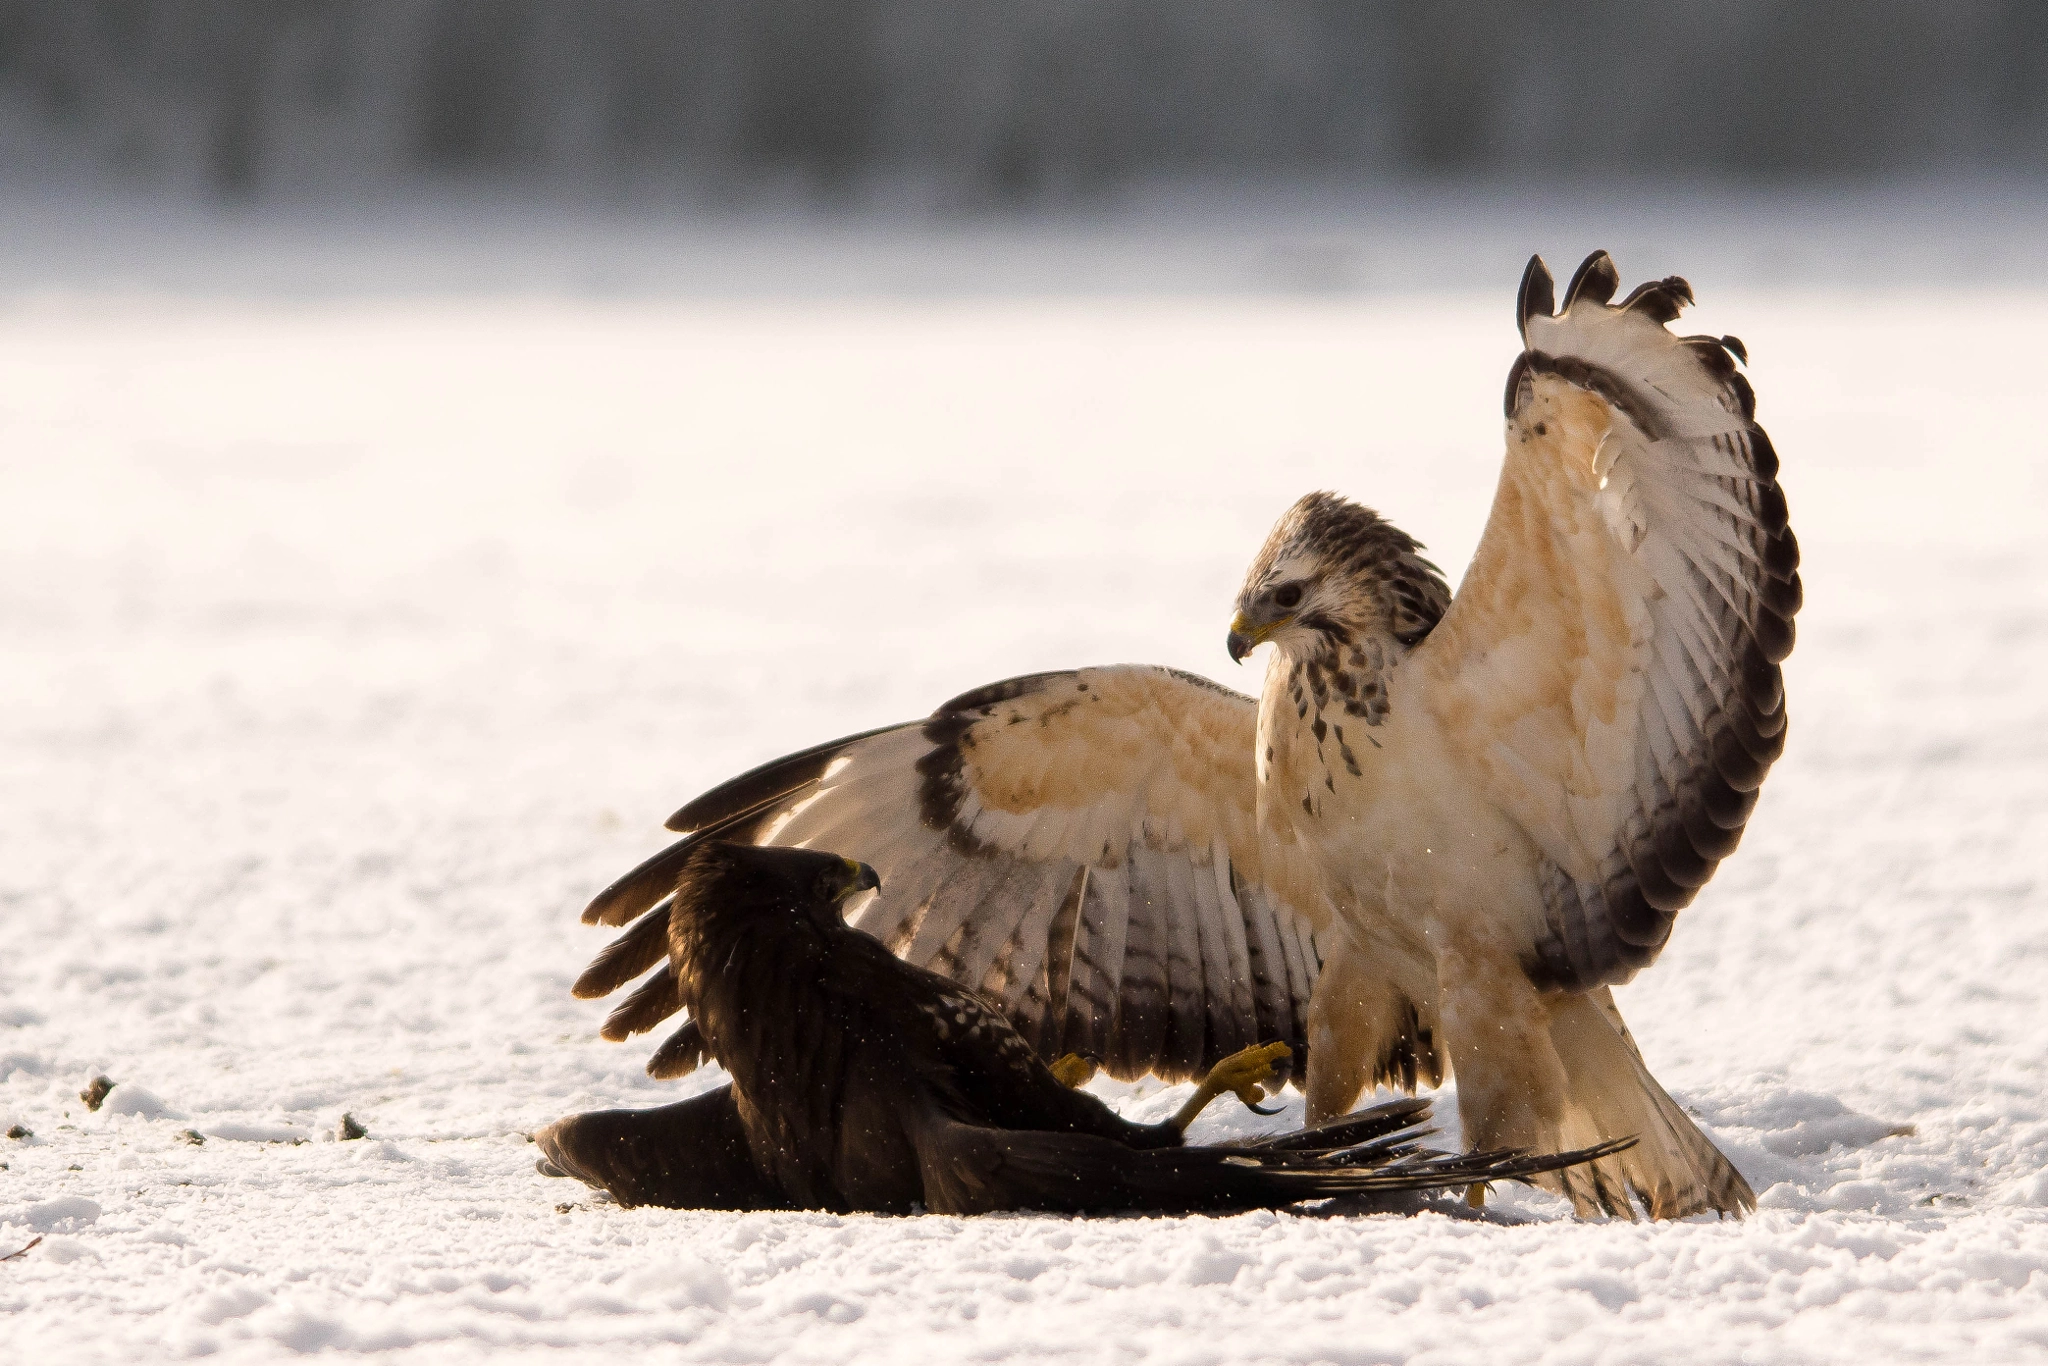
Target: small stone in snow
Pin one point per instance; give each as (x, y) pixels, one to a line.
(192, 1136)
(20, 1131)
(95, 1095)
(350, 1129)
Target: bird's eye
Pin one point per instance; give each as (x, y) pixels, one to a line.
(1288, 597)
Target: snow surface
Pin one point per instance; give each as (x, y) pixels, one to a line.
(352, 644)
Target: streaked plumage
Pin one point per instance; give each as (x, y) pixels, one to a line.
(1446, 828)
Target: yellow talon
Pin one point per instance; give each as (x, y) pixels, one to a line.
(1073, 1071)
(1238, 1075)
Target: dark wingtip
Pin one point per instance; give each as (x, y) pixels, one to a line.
(1659, 300)
(659, 997)
(712, 812)
(990, 694)
(1736, 348)
(755, 792)
(626, 957)
(1595, 279)
(1537, 295)
(640, 889)
(679, 1055)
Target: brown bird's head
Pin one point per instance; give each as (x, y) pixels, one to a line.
(1333, 576)
(712, 899)
(750, 881)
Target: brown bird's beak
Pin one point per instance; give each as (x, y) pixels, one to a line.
(859, 878)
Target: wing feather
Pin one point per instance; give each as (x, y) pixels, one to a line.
(1005, 946)
(1639, 683)
(1302, 966)
(942, 937)
(1144, 991)
(631, 954)
(1222, 1005)
(1043, 1009)
(1238, 1023)
(920, 859)
(1097, 1003)
(1081, 845)
(653, 1001)
(1166, 885)
(1272, 993)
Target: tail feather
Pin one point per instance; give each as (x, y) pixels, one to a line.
(690, 1155)
(1360, 1126)
(1673, 1170)
(969, 1169)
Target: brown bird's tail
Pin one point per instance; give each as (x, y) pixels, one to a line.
(1674, 1170)
(690, 1155)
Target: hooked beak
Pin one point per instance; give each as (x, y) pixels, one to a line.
(859, 878)
(1245, 637)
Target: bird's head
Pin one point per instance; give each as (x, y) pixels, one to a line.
(756, 880)
(1333, 574)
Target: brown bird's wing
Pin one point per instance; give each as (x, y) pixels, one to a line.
(1608, 672)
(1078, 846)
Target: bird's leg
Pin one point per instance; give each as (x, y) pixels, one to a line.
(1511, 1082)
(1074, 1070)
(1239, 1074)
(1355, 1015)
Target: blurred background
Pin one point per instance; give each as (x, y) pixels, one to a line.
(440, 437)
(949, 145)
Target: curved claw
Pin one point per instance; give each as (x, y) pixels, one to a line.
(1262, 1110)
(1238, 1075)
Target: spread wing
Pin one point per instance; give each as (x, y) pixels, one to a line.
(1078, 846)
(1609, 667)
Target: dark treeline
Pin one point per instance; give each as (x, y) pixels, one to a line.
(1013, 101)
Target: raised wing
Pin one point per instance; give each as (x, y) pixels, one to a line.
(1609, 667)
(1078, 846)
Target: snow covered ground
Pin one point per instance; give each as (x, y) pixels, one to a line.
(351, 642)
